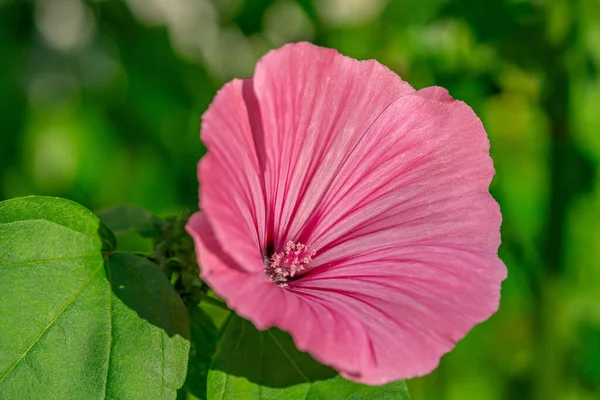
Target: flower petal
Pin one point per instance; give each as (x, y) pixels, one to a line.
(315, 105)
(231, 189)
(412, 304)
(407, 238)
(420, 174)
(435, 93)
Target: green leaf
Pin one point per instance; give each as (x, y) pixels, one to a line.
(77, 322)
(253, 364)
(203, 344)
(215, 309)
(128, 219)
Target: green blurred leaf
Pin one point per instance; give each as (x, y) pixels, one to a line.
(128, 219)
(212, 305)
(78, 322)
(253, 364)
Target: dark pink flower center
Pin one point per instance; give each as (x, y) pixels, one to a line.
(284, 265)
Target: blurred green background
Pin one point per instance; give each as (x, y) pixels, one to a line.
(101, 103)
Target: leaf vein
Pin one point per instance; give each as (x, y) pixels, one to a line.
(27, 263)
(110, 338)
(288, 357)
(36, 341)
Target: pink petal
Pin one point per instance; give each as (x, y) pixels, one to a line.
(420, 174)
(435, 93)
(230, 174)
(411, 303)
(315, 105)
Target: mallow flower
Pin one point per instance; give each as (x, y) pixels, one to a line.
(343, 206)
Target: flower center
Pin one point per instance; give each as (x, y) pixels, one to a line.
(283, 265)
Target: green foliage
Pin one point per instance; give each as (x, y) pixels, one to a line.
(252, 364)
(204, 337)
(78, 321)
(122, 220)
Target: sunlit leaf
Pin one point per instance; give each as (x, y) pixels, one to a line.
(80, 322)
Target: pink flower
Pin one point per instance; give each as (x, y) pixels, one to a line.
(350, 210)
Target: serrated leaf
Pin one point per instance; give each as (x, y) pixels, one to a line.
(252, 364)
(77, 322)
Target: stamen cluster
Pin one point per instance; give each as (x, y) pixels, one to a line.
(284, 265)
